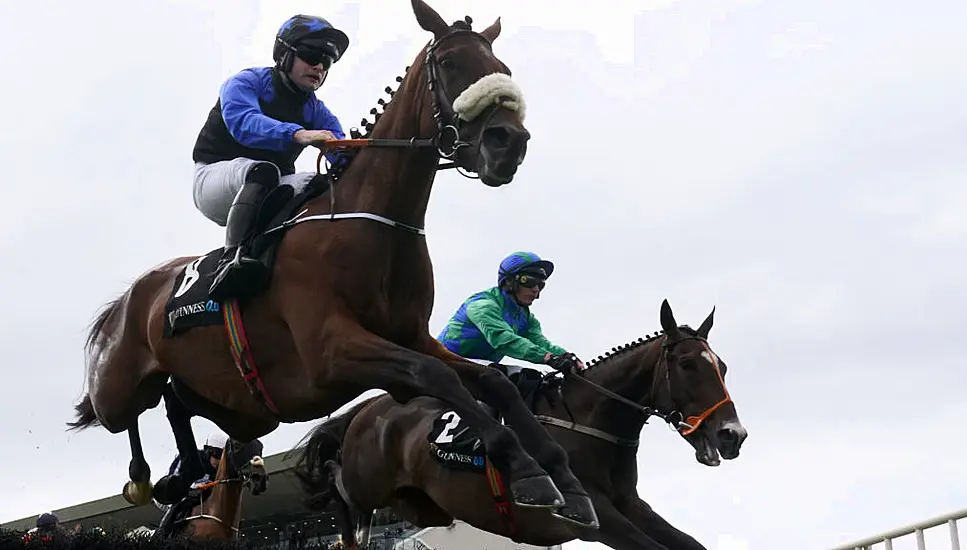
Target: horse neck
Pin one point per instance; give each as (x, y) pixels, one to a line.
(394, 182)
(632, 373)
(224, 502)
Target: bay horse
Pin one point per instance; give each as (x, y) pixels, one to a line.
(419, 458)
(218, 511)
(348, 303)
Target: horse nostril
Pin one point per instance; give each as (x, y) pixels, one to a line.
(728, 436)
(496, 137)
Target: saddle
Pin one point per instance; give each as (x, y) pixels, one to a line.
(189, 303)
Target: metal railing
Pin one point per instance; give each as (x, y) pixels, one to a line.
(916, 529)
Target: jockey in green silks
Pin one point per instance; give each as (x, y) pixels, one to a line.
(497, 322)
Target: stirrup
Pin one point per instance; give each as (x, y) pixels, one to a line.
(238, 276)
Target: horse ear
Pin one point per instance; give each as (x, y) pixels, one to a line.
(668, 323)
(429, 19)
(706, 324)
(492, 32)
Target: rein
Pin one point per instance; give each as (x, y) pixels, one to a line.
(674, 418)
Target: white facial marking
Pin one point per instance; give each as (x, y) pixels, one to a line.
(711, 357)
(495, 88)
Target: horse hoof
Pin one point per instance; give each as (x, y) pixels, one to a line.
(578, 510)
(536, 492)
(137, 493)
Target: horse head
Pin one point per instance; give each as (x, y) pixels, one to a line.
(674, 375)
(696, 384)
(477, 110)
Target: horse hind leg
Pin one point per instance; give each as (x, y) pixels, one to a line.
(173, 488)
(124, 381)
(137, 490)
(179, 418)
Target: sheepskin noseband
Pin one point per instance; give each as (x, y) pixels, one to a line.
(495, 88)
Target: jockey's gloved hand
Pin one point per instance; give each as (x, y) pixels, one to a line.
(565, 362)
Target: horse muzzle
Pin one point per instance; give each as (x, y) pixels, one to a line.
(730, 438)
(502, 149)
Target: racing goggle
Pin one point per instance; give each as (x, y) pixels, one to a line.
(314, 56)
(527, 280)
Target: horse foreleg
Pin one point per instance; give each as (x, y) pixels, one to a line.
(367, 361)
(363, 522)
(498, 391)
(618, 532)
(137, 490)
(655, 526)
(346, 512)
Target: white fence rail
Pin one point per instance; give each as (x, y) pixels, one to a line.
(917, 530)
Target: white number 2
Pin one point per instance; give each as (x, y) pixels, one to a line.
(191, 277)
(453, 420)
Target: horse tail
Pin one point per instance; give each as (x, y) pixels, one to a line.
(84, 414)
(317, 451)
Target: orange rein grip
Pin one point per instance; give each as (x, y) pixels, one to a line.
(338, 144)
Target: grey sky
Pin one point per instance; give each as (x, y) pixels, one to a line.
(798, 164)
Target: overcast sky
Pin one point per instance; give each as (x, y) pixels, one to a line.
(799, 164)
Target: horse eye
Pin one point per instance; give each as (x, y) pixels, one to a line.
(448, 63)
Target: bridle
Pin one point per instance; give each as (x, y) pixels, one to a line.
(447, 142)
(674, 418)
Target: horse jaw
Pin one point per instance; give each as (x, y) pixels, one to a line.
(711, 447)
(705, 451)
(705, 445)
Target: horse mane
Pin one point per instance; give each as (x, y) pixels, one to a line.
(382, 104)
(354, 132)
(608, 356)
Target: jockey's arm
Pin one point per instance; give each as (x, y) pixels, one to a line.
(244, 118)
(536, 335)
(323, 119)
(487, 316)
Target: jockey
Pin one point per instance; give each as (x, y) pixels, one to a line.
(210, 453)
(262, 121)
(171, 487)
(497, 322)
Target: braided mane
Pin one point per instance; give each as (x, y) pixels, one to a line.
(634, 344)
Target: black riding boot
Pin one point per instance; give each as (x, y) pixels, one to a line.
(170, 489)
(237, 273)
